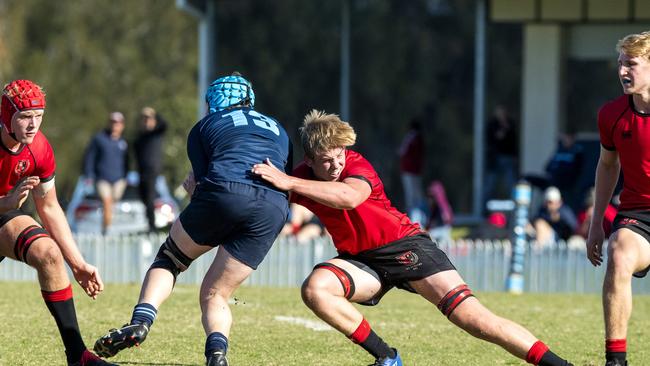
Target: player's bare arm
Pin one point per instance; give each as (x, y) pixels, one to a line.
(345, 195)
(17, 196)
(607, 173)
(54, 221)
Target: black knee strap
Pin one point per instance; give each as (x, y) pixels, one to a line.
(25, 240)
(346, 280)
(171, 258)
(453, 298)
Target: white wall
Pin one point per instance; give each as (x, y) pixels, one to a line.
(540, 95)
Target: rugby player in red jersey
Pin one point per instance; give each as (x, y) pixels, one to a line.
(379, 248)
(624, 126)
(28, 165)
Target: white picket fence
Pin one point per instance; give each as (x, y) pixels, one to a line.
(484, 264)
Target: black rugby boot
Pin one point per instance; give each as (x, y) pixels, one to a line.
(217, 358)
(118, 339)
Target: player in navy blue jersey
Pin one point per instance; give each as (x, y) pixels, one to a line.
(230, 208)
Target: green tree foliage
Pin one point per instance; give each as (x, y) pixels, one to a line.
(93, 57)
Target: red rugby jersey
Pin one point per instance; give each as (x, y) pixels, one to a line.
(627, 131)
(372, 224)
(35, 159)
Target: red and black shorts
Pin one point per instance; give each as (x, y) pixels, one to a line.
(397, 263)
(637, 221)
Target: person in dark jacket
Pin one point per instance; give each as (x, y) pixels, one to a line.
(106, 164)
(148, 154)
(502, 153)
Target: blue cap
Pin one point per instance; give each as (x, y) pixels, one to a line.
(229, 91)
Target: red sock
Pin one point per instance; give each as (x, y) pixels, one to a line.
(536, 352)
(56, 296)
(616, 345)
(370, 341)
(362, 332)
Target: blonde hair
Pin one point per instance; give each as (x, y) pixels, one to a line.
(321, 132)
(635, 45)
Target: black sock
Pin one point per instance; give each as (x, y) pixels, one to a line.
(61, 306)
(376, 346)
(551, 359)
(620, 356)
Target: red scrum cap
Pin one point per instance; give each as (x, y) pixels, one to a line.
(18, 96)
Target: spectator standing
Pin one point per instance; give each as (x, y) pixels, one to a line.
(502, 152)
(148, 154)
(106, 163)
(411, 161)
(441, 215)
(564, 168)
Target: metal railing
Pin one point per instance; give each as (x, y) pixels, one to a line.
(483, 264)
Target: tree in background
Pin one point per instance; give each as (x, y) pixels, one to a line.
(93, 57)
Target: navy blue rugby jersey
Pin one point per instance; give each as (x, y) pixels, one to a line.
(223, 146)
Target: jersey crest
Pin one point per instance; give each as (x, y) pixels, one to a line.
(21, 167)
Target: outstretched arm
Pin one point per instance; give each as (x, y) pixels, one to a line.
(53, 218)
(344, 195)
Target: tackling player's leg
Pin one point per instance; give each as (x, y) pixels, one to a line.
(455, 300)
(329, 292)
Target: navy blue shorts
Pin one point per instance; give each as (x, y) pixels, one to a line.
(242, 218)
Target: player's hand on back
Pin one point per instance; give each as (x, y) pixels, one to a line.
(17, 196)
(88, 278)
(273, 175)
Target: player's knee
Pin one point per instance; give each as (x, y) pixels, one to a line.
(35, 247)
(310, 291)
(213, 296)
(453, 299)
(620, 262)
(313, 291)
(320, 286)
(171, 258)
(44, 255)
(621, 256)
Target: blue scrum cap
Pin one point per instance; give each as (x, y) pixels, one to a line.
(229, 91)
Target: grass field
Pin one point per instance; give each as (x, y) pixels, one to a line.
(264, 335)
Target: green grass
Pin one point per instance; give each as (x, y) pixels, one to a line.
(570, 324)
